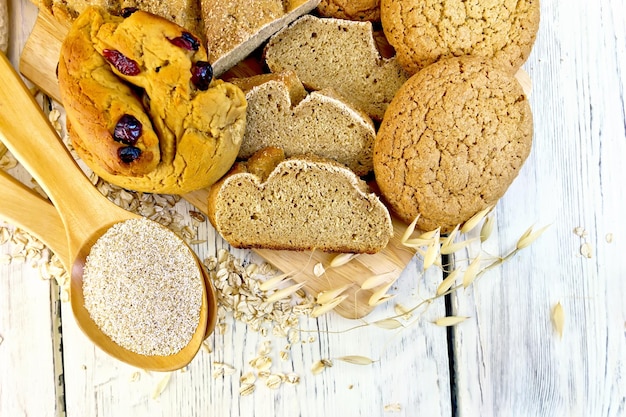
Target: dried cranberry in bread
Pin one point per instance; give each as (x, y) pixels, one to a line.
(299, 203)
(113, 68)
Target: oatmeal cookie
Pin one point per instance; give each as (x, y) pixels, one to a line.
(424, 31)
(350, 9)
(452, 141)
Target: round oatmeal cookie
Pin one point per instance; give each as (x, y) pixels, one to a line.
(350, 9)
(424, 31)
(453, 139)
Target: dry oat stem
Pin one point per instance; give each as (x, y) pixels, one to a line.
(450, 320)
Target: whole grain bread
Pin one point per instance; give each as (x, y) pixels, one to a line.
(185, 13)
(235, 28)
(281, 114)
(300, 203)
(338, 54)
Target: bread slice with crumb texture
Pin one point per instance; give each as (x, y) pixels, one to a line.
(235, 28)
(338, 54)
(282, 114)
(299, 203)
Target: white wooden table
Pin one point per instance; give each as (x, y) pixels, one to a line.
(506, 359)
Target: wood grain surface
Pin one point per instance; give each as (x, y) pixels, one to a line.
(506, 359)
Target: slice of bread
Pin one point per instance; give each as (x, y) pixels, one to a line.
(281, 114)
(300, 203)
(338, 54)
(185, 13)
(235, 28)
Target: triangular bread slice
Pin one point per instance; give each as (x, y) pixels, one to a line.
(235, 28)
(338, 54)
(300, 203)
(281, 114)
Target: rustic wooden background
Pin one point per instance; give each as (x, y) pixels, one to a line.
(505, 359)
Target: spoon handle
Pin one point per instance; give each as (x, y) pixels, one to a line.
(29, 136)
(30, 212)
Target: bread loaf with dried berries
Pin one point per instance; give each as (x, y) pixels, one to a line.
(113, 68)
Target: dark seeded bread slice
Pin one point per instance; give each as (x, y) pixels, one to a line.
(300, 203)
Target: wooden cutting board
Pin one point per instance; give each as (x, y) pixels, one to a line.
(38, 63)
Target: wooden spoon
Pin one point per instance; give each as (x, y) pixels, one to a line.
(86, 214)
(29, 211)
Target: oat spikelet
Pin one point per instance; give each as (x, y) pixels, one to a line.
(327, 296)
(471, 272)
(379, 294)
(487, 228)
(385, 298)
(342, 259)
(475, 219)
(325, 308)
(431, 253)
(356, 360)
(320, 365)
(273, 282)
(530, 236)
(284, 293)
(558, 319)
(418, 242)
(409, 230)
(455, 247)
(450, 320)
(430, 234)
(448, 282)
(378, 280)
(161, 385)
(450, 238)
(388, 324)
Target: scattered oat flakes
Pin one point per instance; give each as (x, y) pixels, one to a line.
(580, 231)
(609, 238)
(318, 269)
(274, 381)
(261, 363)
(247, 379)
(292, 378)
(135, 376)
(394, 407)
(246, 389)
(586, 250)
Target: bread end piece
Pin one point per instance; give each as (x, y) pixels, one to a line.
(305, 203)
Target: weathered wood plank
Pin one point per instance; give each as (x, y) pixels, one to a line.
(509, 360)
(28, 385)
